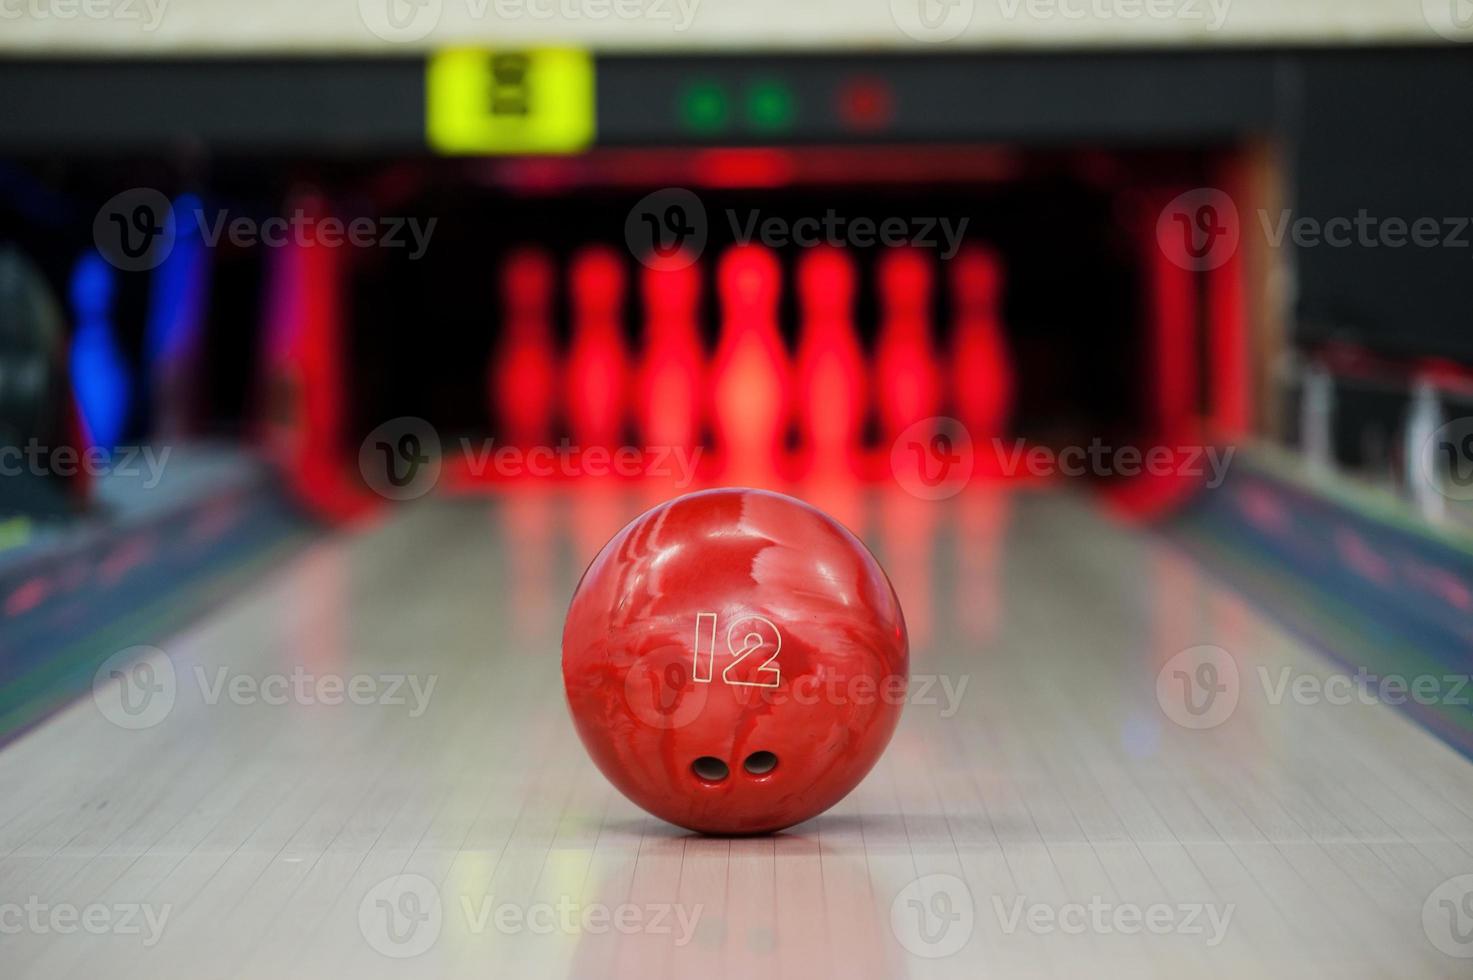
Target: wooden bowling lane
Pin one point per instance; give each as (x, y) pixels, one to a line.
(1040, 813)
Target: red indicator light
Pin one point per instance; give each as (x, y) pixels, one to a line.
(866, 104)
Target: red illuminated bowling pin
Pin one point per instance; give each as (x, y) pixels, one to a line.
(596, 388)
(523, 376)
(907, 380)
(735, 661)
(981, 369)
(831, 382)
(750, 378)
(672, 372)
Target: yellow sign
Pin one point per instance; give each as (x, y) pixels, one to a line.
(534, 101)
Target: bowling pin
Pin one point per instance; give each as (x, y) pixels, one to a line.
(981, 367)
(672, 371)
(831, 381)
(751, 376)
(523, 374)
(596, 385)
(907, 380)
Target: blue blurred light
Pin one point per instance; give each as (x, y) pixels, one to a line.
(176, 302)
(99, 371)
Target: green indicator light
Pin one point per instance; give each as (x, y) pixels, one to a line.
(769, 106)
(703, 107)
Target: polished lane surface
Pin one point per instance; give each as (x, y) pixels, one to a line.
(363, 767)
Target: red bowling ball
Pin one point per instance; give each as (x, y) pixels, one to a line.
(735, 661)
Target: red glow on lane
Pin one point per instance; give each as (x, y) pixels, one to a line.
(907, 381)
(528, 519)
(27, 596)
(831, 381)
(598, 364)
(672, 381)
(982, 384)
(1231, 363)
(523, 376)
(751, 376)
(305, 391)
(1173, 347)
(908, 527)
(743, 168)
